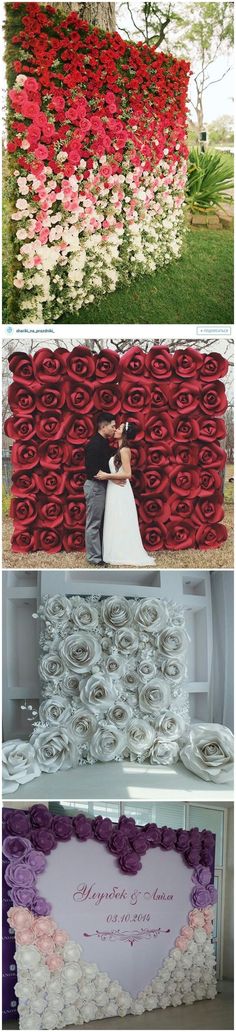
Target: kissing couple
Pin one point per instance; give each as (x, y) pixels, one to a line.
(112, 533)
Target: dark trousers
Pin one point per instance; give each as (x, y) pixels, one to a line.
(95, 497)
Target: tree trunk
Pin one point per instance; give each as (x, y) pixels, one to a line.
(101, 14)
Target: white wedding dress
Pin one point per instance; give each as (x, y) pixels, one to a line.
(122, 543)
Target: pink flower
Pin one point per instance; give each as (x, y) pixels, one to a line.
(45, 926)
(60, 937)
(20, 918)
(196, 918)
(25, 937)
(45, 944)
(181, 943)
(187, 932)
(55, 963)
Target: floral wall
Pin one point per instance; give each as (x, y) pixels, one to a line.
(177, 402)
(97, 150)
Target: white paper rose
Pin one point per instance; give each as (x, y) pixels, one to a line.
(131, 679)
(54, 749)
(140, 736)
(120, 713)
(116, 612)
(153, 697)
(114, 665)
(50, 666)
(71, 972)
(209, 752)
(127, 641)
(20, 764)
(151, 614)
(72, 951)
(80, 652)
(83, 614)
(56, 609)
(147, 670)
(108, 743)
(173, 671)
(28, 957)
(98, 692)
(82, 726)
(68, 685)
(172, 642)
(55, 711)
(171, 725)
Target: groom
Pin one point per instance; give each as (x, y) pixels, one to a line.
(97, 455)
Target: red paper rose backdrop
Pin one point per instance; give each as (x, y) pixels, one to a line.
(177, 401)
(97, 146)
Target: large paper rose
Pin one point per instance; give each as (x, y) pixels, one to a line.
(23, 540)
(98, 692)
(55, 711)
(213, 366)
(75, 482)
(57, 609)
(155, 480)
(116, 612)
(209, 482)
(53, 455)
(140, 737)
(154, 537)
(213, 398)
(21, 400)
(158, 362)
(80, 363)
(51, 512)
(185, 429)
(48, 366)
(208, 510)
(209, 752)
(21, 366)
(23, 483)
(50, 666)
(130, 862)
(52, 483)
(150, 614)
(172, 725)
(54, 749)
(83, 725)
(48, 540)
(23, 510)
(20, 764)
(20, 428)
(107, 398)
(159, 429)
(136, 397)
(164, 751)
(153, 697)
(79, 430)
(119, 713)
(211, 535)
(79, 398)
(180, 534)
(211, 456)
(184, 481)
(75, 511)
(108, 743)
(107, 365)
(172, 642)
(132, 362)
(50, 426)
(80, 652)
(126, 641)
(186, 362)
(211, 428)
(184, 396)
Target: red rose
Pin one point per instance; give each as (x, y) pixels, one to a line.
(155, 480)
(80, 363)
(209, 481)
(107, 398)
(185, 429)
(107, 366)
(21, 428)
(136, 396)
(158, 361)
(186, 362)
(213, 366)
(211, 455)
(79, 430)
(48, 540)
(51, 482)
(50, 397)
(212, 398)
(23, 539)
(211, 536)
(184, 397)
(48, 366)
(22, 368)
(159, 396)
(209, 510)
(75, 481)
(158, 455)
(76, 457)
(159, 429)
(75, 511)
(50, 511)
(154, 536)
(24, 456)
(51, 426)
(184, 481)
(132, 363)
(211, 428)
(23, 483)
(138, 456)
(23, 509)
(53, 455)
(180, 534)
(21, 400)
(79, 398)
(181, 507)
(73, 540)
(152, 508)
(185, 454)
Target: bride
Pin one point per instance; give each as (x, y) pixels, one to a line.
(122, 543)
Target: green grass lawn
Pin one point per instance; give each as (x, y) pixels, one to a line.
(196, 288)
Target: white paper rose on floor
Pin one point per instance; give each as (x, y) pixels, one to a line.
(209, 753)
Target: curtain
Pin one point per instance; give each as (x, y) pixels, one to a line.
(221, 684)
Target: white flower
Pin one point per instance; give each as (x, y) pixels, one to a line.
(173, 670)
(116, 612)
(127, 641)
(68, 684)
(55, 711)
(114, 665)
(171, 725)
(80, 652)
(153, 696)
(151, 614)
(50, 666)
(83, 614)
(147, 670)
(172, 642)
(55, 609)
(98, 692)
(140, 736)
(83, 725)
(108, 743)
(20, 764)
(209, 753)
(120, 713)
(71, 972)
(164, 751)
(28, 957)
(54, 749)
(72, 951)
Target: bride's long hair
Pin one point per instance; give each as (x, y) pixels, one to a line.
(129, 432)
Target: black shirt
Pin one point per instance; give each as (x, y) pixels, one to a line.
(97, 455)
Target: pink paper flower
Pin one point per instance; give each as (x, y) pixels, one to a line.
(55, 963)
(45, 944)
(25, 937)
(187, 932)
(196, 918)
(20, 918)
(181, 942)
(45, 926)
(60, 937)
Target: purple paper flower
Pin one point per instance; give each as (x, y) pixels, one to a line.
(195, 836)
(192, 857)
(102, 828)
(168, 838)
(152, 834)
(130, 863)
(126, 823)
(62, 828)
(183, 840)
(118, 843)
(19, 875)
(139, 843)
(208, 839)
(37, 861)
(206, 855)
(203, 875)
(41, 907)
(17, 823)
(22, 897)
(40, 816)
(200, 897)
(16, 847)
(82, 827)
(43, 839)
